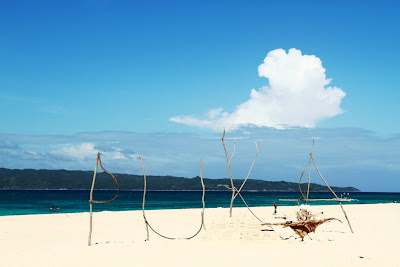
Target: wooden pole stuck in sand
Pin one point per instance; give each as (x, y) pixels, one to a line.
(144, 199)
(309, 173)
(91, 201)
(204, 193)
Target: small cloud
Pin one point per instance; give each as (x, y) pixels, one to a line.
(84, 150)
(89, 151)
(21, 154)
(298, 95)
(8, 144)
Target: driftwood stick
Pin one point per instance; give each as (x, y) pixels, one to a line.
(230, 175)
(309, 174)
(234, 149)
(248, 174)
(238, 193)
(204, 193)
(301, 192)
(115, 181)
(144, 199)
(345, 215)
(91, 201)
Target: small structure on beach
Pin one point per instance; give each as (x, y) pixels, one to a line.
(305, 222)
(303, 228)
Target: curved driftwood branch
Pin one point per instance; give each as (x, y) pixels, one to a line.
(148, 225)
(115, 181)
(345, 215)
(238, 193)
(251, 167)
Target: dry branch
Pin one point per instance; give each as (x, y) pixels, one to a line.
(301, 192)
(91, 201)
(309, 174)
(251, 167)
(144, 198)
(230, 174)
(345, 215)
(204, 192)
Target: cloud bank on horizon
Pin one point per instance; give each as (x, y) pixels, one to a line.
(343, 155)
(298, 95)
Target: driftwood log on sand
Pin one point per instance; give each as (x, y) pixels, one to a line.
(303, 228)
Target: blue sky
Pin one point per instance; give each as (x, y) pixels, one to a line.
(83, 76)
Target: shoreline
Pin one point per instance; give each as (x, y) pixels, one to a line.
(119, 238)
(196, 190)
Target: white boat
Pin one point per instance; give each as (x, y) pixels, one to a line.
(345, 197)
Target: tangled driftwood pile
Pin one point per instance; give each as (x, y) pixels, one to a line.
(303, 228)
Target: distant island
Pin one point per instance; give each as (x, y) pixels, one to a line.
(63, 179)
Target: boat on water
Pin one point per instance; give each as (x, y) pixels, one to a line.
(345, 197)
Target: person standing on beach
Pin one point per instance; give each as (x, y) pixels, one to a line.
(276, 207)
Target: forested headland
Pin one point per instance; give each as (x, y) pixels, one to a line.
(64, 179)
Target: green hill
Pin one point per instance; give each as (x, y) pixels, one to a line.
(63, 179)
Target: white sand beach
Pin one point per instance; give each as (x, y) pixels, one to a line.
(119, 238)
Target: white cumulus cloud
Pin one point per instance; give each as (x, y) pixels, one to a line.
(298, 95)
(89, 151)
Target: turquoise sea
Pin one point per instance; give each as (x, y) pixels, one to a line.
(23, 202)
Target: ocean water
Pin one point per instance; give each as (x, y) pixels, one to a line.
(23, 202)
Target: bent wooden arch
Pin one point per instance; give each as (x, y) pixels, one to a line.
(115, 181)
(148, 225)
(91, 201)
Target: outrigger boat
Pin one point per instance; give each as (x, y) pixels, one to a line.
(319, 199)
(344, 197)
